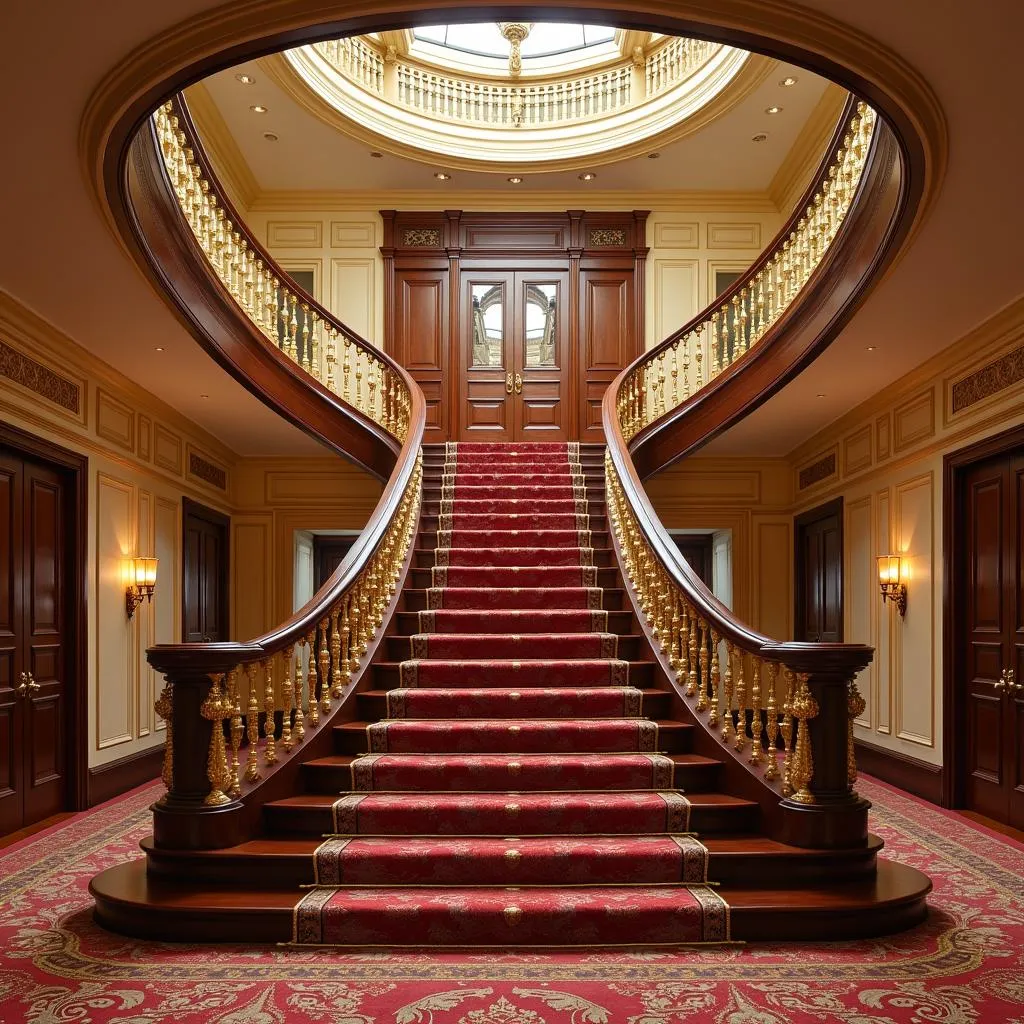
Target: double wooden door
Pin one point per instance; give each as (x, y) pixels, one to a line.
(990, 575)
(34, 640)
(514, 356)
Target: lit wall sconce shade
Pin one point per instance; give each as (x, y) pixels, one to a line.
(892, 578)
(141, 582)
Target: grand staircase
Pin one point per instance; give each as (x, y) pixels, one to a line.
(513, 716)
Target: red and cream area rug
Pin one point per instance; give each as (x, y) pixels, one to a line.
(964, 965)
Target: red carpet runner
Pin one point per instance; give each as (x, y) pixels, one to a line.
(515, 794)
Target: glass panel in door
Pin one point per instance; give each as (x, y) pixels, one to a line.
(541, 356)
(486, 372)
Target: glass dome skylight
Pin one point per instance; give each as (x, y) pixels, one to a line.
(545, 38)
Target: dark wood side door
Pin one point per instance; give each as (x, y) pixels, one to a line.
(990, 573)
(205, 569)
(328, 553)
(608, 338)
(35, 539)
(818, 575)
(698, 550)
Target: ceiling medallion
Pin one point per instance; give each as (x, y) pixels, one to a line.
(515, 32)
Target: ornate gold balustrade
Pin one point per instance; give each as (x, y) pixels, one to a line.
(783, 713)
(237, 713)
(288, 317)
(722, 335)
(677, 59)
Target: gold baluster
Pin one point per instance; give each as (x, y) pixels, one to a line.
(344, 676)
(675, 374)
(314, 680)
(740, 740)
(325, 666)
(292, 348)
(164, 707)
(727, 720)
(234, 704)
(787, 732)
(702, 692)
(716, 681)
(693, 662)
(252, 725)
(299, 727)
(756, 752)
(801, 770)
(287, 700)
(269, 706)
(214, 710)
(772, 731)
(332, 355)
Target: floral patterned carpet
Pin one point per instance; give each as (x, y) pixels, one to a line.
(964, 965)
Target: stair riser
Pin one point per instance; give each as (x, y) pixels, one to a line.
(607, 702)
(425, 560)
(508, 622)
(452, 674)
(511, 575)
(528, 599)
(400, 648)
(525, 538)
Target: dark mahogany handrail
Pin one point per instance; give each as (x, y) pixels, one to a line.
(739, 682)
(298, 358)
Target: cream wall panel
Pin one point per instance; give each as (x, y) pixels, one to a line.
(915, 689)
(859, 597)
(167, 450)
(913, 421)
(677, 234)
(353, 234)
(857, 450)
(354, 295)
(115, 649)
(295, 234)
(773, 574)
(115, 420)
(734, 235)
(145, 628)
(676, 297)
(252, 575)
(887, 619)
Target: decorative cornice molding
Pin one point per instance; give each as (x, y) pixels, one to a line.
(481, 200)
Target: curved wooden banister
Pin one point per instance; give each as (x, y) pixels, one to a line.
(743, 686)
(275, 690)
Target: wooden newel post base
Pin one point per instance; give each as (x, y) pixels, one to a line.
(824, 810)
(186, 817)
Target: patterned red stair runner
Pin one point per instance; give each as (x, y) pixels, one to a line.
(515, 794)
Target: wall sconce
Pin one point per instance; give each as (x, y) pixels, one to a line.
(141, 573)
(892, 578)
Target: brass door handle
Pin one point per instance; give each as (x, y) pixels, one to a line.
(1000, 683)
(33, 686)
(508, 384)
(519, 384)
(22, 689)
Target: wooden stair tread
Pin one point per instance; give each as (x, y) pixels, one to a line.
(343, 760)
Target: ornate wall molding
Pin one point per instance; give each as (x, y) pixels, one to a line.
(817, 471)
(992, 378)
(47, 383)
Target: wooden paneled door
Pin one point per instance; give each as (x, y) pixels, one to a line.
(37, 574)
(989, 577)
(514, 356)
(205, 574)
(818, 575)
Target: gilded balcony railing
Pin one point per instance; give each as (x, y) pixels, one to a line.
(732, 327)
(784, 711)
(288, 318)
(357, 60)
(675, 61)
(236, 713)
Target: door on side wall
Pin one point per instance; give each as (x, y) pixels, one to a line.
(818, 574)
(37, 552)
(988, 556)
(205, 574)
(514, 356)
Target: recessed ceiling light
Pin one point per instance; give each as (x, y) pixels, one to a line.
(376, 156)
(442, 176)
(871, 348)
(515, 180)
(204, 396)
(159, 348)
(788, 81)
(258, 108)
(760, 137)
(587, 176)
(821, 394)
(773, 110)
(653, 156)
(246, 79)
(270, 136)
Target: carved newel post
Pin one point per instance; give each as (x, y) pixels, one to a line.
(197, 811)
(823, 811)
